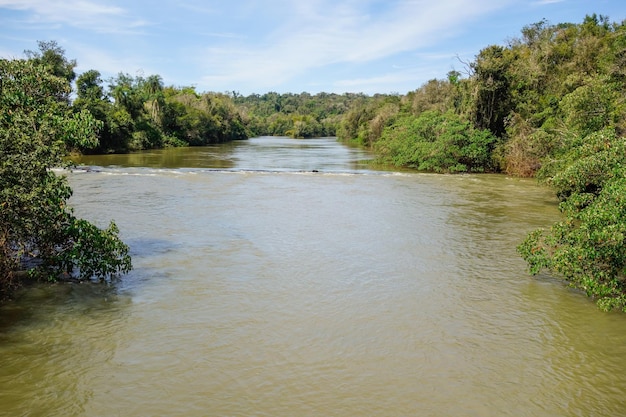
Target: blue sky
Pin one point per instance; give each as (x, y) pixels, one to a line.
(369, 46)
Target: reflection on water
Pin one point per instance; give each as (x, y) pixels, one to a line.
(258, 154)
(267, 289)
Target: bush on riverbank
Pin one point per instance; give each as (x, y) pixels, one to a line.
(587, 248)
(436, 142)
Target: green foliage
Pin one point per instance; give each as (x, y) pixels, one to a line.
(51, 56)
(140, 113)
(304, 127)
(552, 84)
(565, 82)
(439, 95)
(296, 115)
(525, 150)
(439, 142)
(37, 229)
(88, 251)
(587, 248)
(364, 123)
(587, 165)
(596, 104)
(196, 119)
(89, 87)
(491, 101)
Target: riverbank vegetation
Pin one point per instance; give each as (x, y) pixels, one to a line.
(549, 103)
(141, 113)
(296, 115)
(39, 235)
(533, 97)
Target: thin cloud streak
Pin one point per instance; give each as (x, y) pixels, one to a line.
(88, 15)
(311, 41)
(544, 2)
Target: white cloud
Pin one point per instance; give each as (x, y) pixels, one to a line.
(544, 2)
(196, 7)
(76, 13)
(396, 79)
(55, 8)
(318, 33)
(107, 63)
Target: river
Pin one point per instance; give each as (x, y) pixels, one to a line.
(283, 277)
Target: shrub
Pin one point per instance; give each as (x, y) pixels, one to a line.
(438, 142)
(587, 248)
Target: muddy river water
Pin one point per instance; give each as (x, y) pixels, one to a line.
(282, 277)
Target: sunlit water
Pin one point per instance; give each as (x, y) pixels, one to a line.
(262, 288)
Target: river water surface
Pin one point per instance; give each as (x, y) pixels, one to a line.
(263, 288)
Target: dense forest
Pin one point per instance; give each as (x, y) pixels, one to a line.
(550, 104)
(512, 109)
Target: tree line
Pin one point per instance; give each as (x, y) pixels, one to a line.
(139, 112)
(511, 109)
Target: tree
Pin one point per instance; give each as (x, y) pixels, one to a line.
(89, 86)
(117, 124)
(491, 101)
(126, 92)
(434, 95)
(364, 121)
(38, 231)
(52, 57)
(153, 97)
